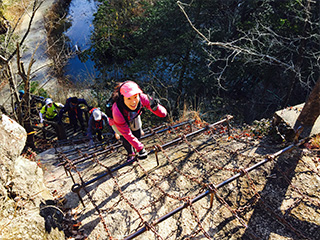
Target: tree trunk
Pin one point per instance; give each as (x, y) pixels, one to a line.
(311, 109)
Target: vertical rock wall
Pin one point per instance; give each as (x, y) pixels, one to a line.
(21, 188)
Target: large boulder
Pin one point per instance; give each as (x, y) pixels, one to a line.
(22, 188)
(12, 141)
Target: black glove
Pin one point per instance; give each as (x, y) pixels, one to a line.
(142, 154)
(154, 102)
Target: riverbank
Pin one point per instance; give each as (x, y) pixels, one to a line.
(53, 53)
(36, 46)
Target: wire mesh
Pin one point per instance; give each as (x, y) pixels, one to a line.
(203, 187)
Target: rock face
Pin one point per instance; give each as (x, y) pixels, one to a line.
(21, 188)
(290, 117)
(12, 140)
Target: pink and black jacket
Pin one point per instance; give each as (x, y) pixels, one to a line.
(121, 117)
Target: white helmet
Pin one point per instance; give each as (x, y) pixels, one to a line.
(97, 115)
(48, 101)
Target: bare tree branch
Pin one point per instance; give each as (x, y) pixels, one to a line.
(36, 6)
(236, 49)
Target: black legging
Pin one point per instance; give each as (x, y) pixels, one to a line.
(74, 116)
(126, 144)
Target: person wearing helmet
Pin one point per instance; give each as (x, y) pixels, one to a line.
(33, 102)
(75, 112)
(97, 121)
(50, 111)
(128, 103)
(21, 93)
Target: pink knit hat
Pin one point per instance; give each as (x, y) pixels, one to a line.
(129, 89)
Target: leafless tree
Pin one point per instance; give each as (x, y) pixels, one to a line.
(294, 57)
(7, 57)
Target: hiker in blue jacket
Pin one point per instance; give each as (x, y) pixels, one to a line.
(75, 113)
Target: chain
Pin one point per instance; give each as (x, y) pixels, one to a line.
(310, 168)
(221, 200)
(143, 221)
(90, 198)
(256, 195)
(156, 183)
(196, 217)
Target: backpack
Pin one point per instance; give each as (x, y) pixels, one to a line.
(108, 111)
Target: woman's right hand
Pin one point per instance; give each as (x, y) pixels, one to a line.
(154, 102)
(116, 135)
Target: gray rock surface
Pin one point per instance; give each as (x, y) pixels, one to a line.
(21, 188)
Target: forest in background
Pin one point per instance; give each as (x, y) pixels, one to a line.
(245, 58)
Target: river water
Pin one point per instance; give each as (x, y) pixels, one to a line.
(81, 16)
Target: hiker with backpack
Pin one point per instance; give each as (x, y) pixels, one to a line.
(97, 121)
(129, 101)
(50, 111)
(75, 112)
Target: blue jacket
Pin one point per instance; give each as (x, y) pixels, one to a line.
(75, 110)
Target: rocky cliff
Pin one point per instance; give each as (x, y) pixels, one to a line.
(21, 188)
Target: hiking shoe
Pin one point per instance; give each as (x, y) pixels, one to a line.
(142, 154)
